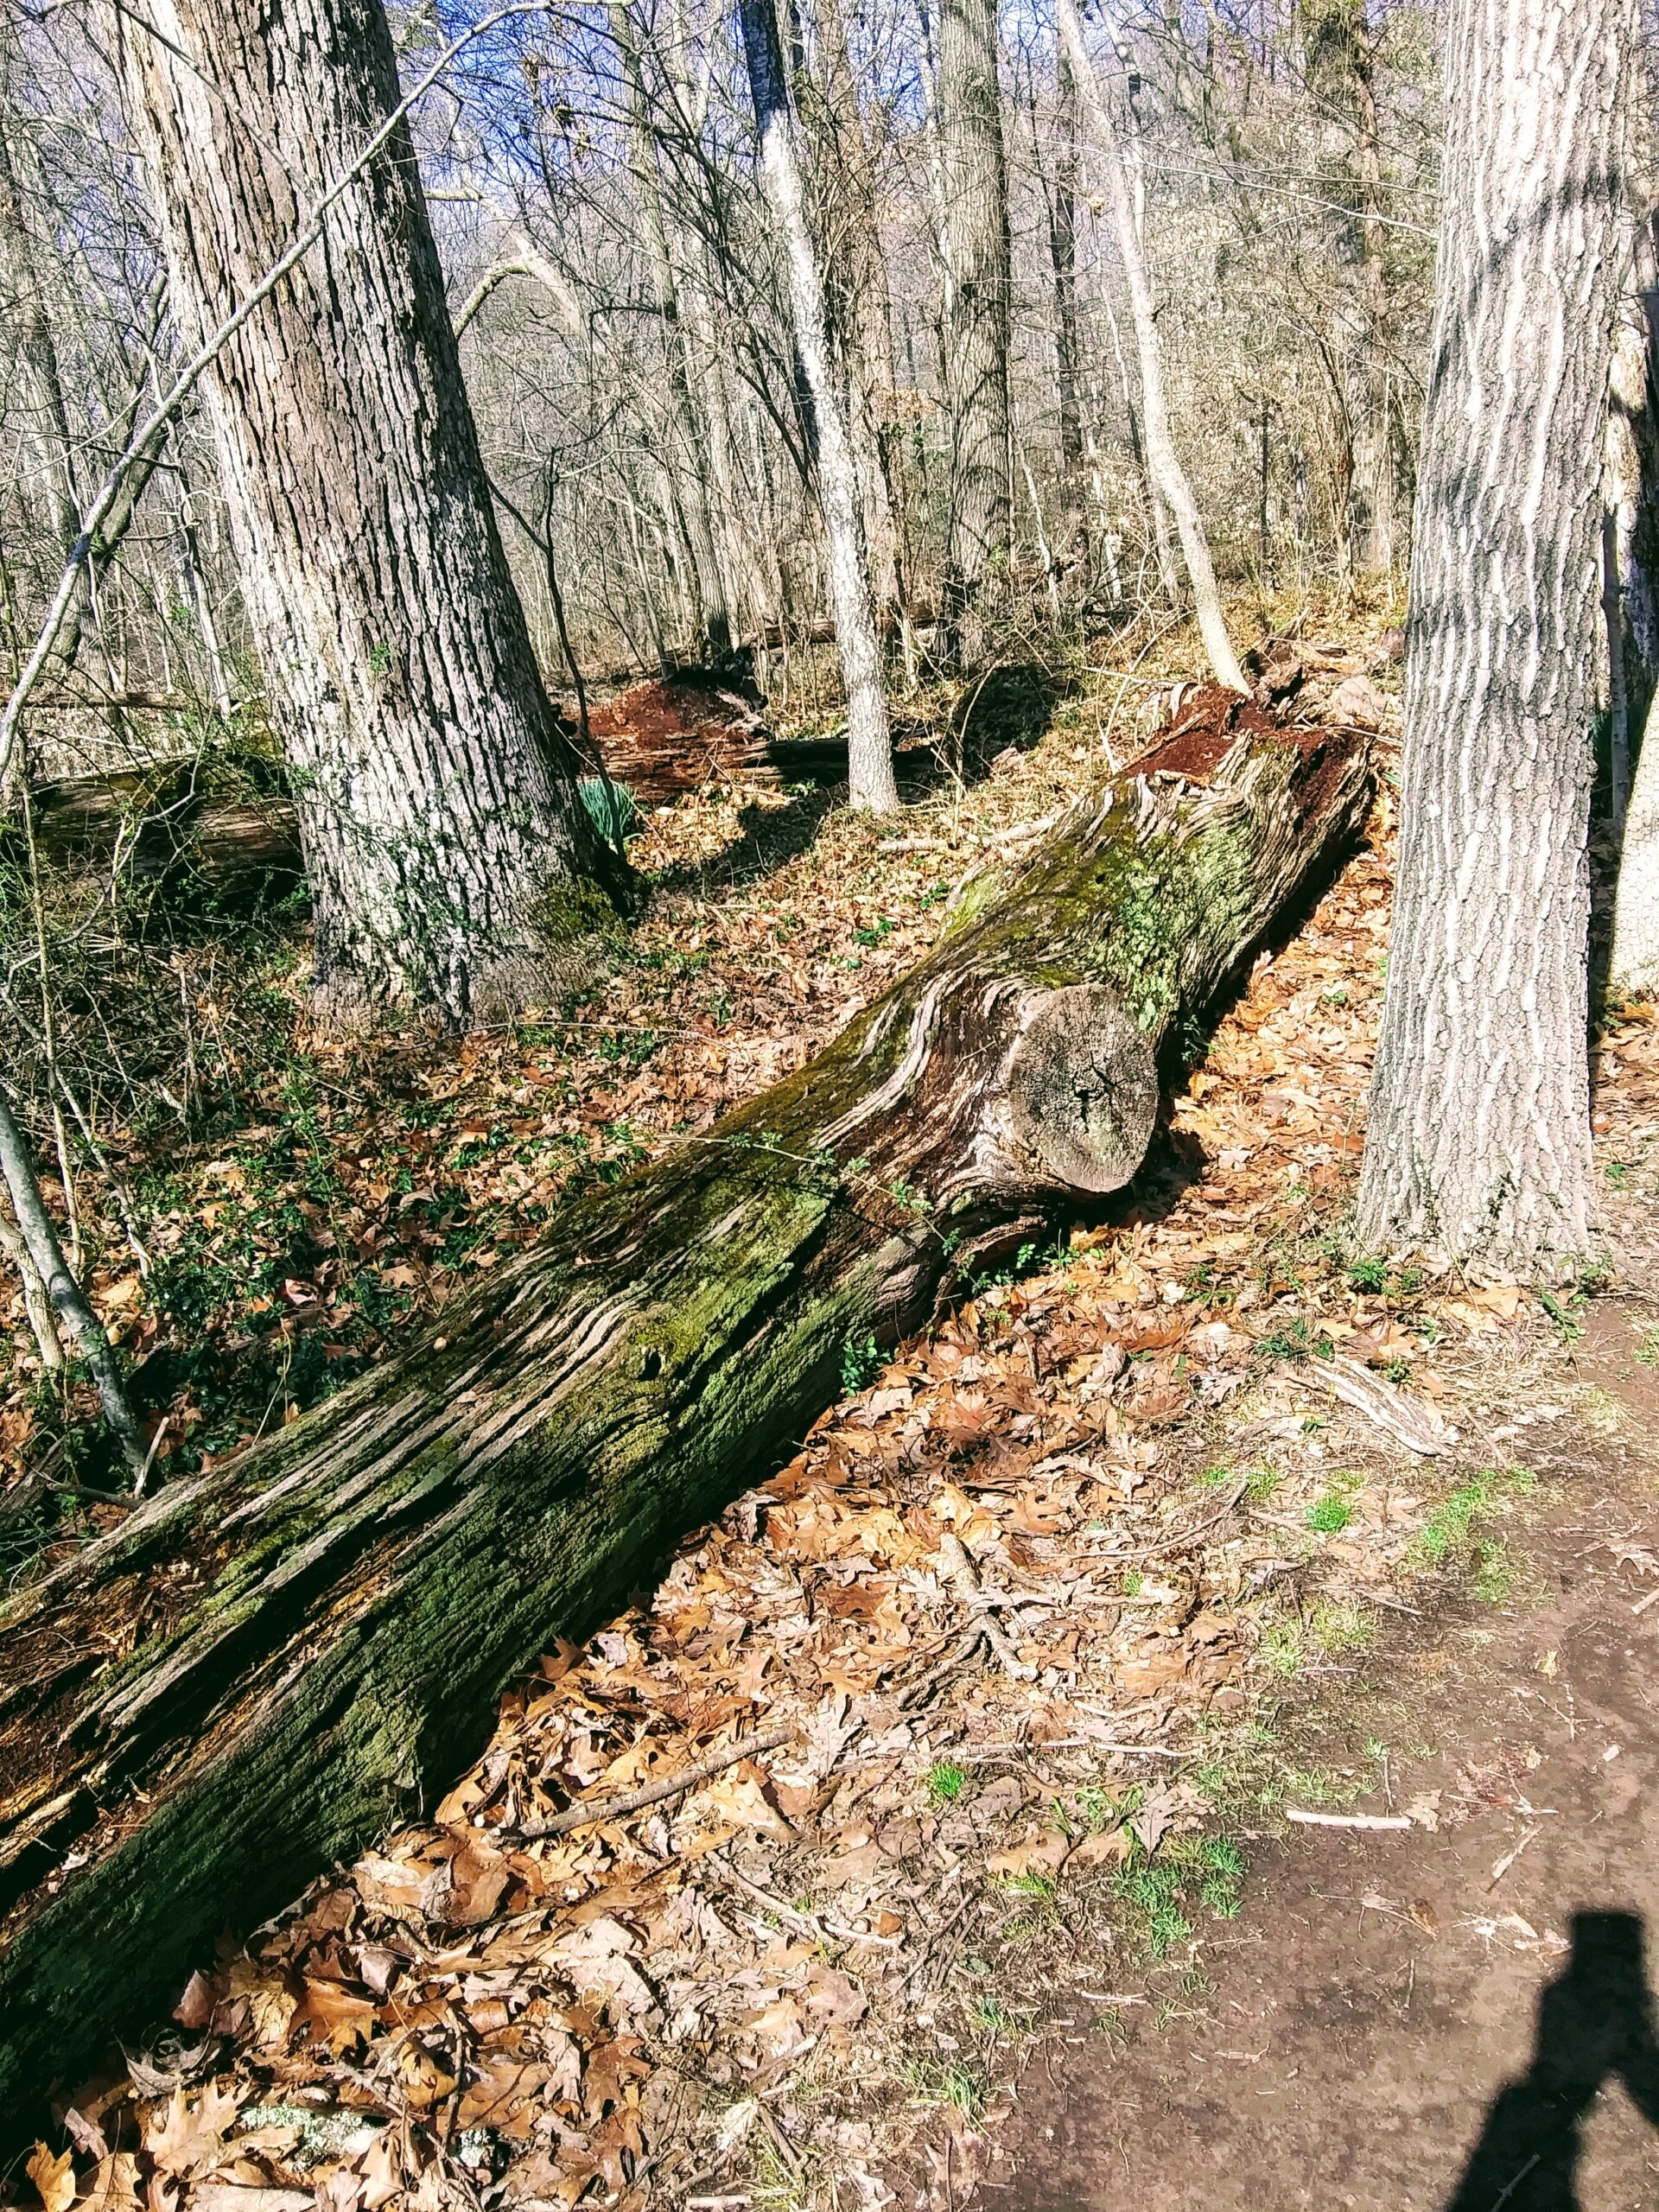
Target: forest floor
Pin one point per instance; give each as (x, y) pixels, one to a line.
(1261, 1527)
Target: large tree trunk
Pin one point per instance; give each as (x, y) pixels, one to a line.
(447, 849)
(270, 1662)
(977, 310)
(1480, 1139)
(1163, 466)
(869, 743)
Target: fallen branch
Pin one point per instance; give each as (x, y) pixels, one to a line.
(963, 1578)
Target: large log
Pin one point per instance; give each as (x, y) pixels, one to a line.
(268, 1663)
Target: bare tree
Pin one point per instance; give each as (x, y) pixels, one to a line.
(1168, 478)
(869, 745)
(447, 849)
(1479, 1137)
(978, 281)
(693, 479)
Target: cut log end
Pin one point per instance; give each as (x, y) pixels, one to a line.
(1082, 1094)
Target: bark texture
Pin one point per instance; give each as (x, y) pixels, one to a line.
(977, 323)
(288, 1653)
(1480, 1139)
(869, 743)
(1169, 481)
(446, 847)
(173, 826)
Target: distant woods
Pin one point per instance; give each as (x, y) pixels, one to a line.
(631, 345)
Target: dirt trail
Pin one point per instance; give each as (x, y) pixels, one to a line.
(1460, 2018)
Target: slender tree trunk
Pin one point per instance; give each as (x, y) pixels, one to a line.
(1374, 447)
(978, 286)
(447, 853)
(1063, 259)
(692, 479)
(37, 1303)
(1631, 544)
(82, 1325)
(1168, 478)
(40, 387)
(1480, 1139)
(869, 745)
(858, 298)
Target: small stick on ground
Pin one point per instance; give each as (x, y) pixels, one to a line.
(653, 1793)
(963, 1577)
(1346, 1819)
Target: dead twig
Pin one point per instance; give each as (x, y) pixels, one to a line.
(963, 1577)
(1345, 1820)
(653, 1793)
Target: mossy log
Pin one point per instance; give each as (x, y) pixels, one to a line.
(226, 841)
(268, 1663)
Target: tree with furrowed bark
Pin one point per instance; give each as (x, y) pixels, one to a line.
(450, 856)
(1479, 1137)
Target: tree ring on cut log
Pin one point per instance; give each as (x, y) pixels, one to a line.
(1082, 1094)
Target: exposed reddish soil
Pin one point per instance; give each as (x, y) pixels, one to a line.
(1458, 2017)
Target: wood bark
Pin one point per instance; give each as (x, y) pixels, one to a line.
(869, 743)
(172, 825)
(1479, 1137)
(272, 1661)
(1633, 963)
(977, 324)
(40, 382)
(1169, 481)
(447, 850)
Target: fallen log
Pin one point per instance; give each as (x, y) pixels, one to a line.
(268, 1663)
(225, 840)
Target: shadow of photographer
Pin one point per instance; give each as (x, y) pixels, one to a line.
(1595, 2025)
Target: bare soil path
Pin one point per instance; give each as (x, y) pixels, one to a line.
(1447, 2019)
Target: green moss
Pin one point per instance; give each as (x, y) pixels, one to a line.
(570, 909)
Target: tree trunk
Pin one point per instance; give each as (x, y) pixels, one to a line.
(859, 301)
(1168, 478)
(1480, 1139)
(1633, 964)
(1375, 446)
(82, 1325)
(692, 479)
(978, 287)
(262, 1668)
(1063, 258)
(869, 745)
(447, 853)
(39, 385)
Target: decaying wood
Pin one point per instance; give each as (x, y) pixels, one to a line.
(173, 823)
(270, 1662)
(1395, 1412)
